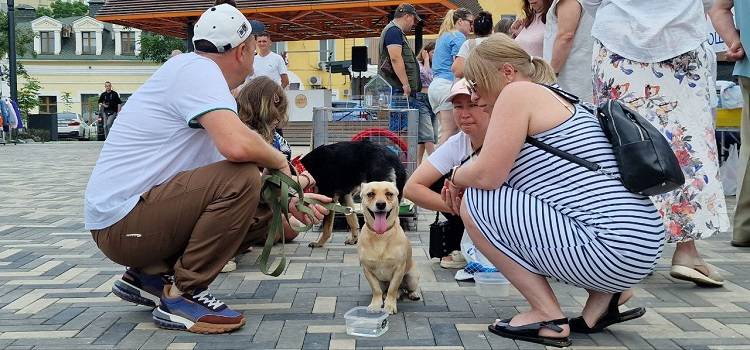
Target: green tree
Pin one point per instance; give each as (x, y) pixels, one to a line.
(28, 95)
(24, 37)
(157, 47)
(67, 99)
(62, 9)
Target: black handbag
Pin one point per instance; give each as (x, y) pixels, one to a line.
(445, 236)
(647, 163)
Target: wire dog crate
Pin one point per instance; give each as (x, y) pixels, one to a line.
(394, 128)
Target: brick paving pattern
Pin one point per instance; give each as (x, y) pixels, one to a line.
(55, 286)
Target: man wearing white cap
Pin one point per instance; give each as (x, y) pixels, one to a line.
(174, 193)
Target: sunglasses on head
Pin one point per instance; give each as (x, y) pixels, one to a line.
(471, 86)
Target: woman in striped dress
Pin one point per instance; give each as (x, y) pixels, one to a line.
(535, 215)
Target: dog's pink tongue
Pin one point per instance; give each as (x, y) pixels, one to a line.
(380, 225)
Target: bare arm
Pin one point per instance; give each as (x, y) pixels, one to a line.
(238, 143)
(284, 81)
(418, 191)
(458, 67)
(506, 134)
(569, 15)
(723, 21)
(399, 67)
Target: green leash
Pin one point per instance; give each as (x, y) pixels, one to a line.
(275, 192)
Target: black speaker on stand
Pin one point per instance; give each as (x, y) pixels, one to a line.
(359, 63)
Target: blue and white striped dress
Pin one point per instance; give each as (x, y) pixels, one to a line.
(559, 219)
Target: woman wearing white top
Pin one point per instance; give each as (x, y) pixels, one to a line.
(482, 29)
(472, 122)
(568, 46)
(654, 56)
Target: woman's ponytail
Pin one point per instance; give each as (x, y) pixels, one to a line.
(541, 71)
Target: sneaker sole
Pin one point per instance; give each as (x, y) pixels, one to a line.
(166, 320)
(133, 294)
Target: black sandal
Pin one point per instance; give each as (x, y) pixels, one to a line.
(530, 332)
(610, 317)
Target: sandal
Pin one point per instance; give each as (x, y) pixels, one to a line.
(692, 274)
(530, 332)
(610, 317)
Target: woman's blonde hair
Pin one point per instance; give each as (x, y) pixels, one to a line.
(261, 102)
(485, 61)
(451, 17)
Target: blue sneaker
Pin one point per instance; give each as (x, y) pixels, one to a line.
(200, 312)
(137, 287)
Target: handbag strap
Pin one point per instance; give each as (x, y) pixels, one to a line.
(557, 92)
(562, 154)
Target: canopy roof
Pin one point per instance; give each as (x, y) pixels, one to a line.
(286, 20)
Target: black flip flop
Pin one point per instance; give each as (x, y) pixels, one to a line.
(612, 316)
(530, 332)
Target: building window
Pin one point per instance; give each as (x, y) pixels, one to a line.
(47, 104)
(327, 50)
(88, 40)
(127, 40)
(47, 40)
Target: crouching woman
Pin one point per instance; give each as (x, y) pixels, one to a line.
(535, 215)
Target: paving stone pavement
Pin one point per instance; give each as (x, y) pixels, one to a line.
(55, 286)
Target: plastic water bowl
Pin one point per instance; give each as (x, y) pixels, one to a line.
(362, 322)
(491, 284)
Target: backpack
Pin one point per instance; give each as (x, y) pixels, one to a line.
(647, 163)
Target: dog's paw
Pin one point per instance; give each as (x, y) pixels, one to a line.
(373, 307)
(351, 241)
(390, 306)
(314, 245)
(414, 296)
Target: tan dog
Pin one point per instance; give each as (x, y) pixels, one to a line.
(384, 250)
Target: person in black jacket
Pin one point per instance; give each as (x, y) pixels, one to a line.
(109, 105)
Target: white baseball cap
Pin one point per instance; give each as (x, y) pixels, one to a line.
(225, 27)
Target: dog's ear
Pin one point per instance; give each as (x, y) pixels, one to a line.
(363, 188)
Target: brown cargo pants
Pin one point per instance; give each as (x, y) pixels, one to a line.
(191, 225)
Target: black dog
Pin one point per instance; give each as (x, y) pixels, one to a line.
(340, 168)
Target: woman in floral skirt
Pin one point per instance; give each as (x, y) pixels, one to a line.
(654, 57)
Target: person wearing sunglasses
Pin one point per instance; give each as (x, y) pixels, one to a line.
(456, 26)
(535, 215)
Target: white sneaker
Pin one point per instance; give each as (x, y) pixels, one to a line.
(462, 275)
(230, 266)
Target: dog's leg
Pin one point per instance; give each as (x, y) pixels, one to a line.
(351, 219)
(411, 283)
(394, 288)
(377, 290)
(327, 228)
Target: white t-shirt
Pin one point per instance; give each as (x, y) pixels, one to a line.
(648, 31)
(451, 153)
(152, 139)
(272, 66)
(468, 46)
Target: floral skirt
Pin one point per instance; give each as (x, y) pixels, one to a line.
(674, 96)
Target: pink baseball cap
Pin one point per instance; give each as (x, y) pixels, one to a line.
(459, 88)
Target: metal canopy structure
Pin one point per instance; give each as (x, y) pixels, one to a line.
(286, 20)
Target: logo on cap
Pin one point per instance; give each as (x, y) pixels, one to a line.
(242, 31)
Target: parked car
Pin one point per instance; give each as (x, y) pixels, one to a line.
(70, 125)
(351, 110)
